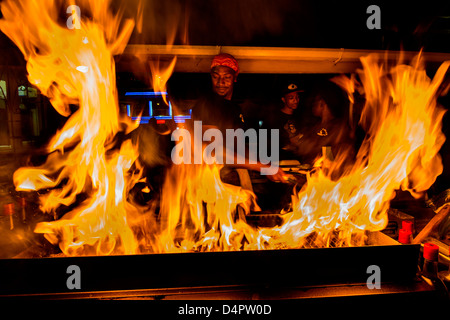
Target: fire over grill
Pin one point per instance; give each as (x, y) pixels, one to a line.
(266, 273)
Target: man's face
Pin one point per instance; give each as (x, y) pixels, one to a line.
(291, 100)
(318, 107)
(223, 81)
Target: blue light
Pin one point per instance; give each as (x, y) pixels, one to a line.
(143, 119)
(146, 93)
(146, 119)
(182, 117)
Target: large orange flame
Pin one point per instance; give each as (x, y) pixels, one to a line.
(197, 211)
(403, 137)
(77, 66)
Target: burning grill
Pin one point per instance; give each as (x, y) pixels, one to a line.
(111, 246)
(222, 274)
(306, 273)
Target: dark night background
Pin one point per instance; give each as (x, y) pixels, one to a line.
(298, 23)
(290, 23)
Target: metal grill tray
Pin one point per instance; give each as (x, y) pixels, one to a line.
(274, 268)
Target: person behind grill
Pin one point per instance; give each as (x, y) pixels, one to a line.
(218, 110)
(284, 116)
(329, 134)
(286, 119)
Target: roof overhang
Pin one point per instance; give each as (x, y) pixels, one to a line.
(270, 60)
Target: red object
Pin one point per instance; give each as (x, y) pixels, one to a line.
(226, 60)
(407, 225)
(430, 251)
(160, 121)
(404, 236)
(8, 209)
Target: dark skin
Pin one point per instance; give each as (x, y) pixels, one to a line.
(223, 79)
(290, 102)
(321, 110)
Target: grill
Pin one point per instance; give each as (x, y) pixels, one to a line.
(264, 274)
(31, 269)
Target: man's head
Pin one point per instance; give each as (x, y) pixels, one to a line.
(319, 107)
(224, 71)
(290, 98)
(328, 101)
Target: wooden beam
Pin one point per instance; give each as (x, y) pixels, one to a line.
(272, 60)
(433, 224)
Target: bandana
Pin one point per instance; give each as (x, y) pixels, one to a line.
(226, 60)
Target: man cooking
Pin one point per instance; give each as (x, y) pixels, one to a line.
(217, 107)
(218, 110)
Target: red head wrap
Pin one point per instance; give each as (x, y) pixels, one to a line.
(226, 60)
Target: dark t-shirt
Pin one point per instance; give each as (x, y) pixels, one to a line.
(289, 128)
(213, 110)
(334, 134)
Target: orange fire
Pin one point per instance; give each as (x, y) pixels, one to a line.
(76, 66)
(403, 136)
(197, 211)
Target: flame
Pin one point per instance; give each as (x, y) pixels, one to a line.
(77, 66)
(161, 74)
(199, 212)
(403, 136)
(340, 201)
(91, 172)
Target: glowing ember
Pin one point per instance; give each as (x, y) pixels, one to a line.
(197, 212)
